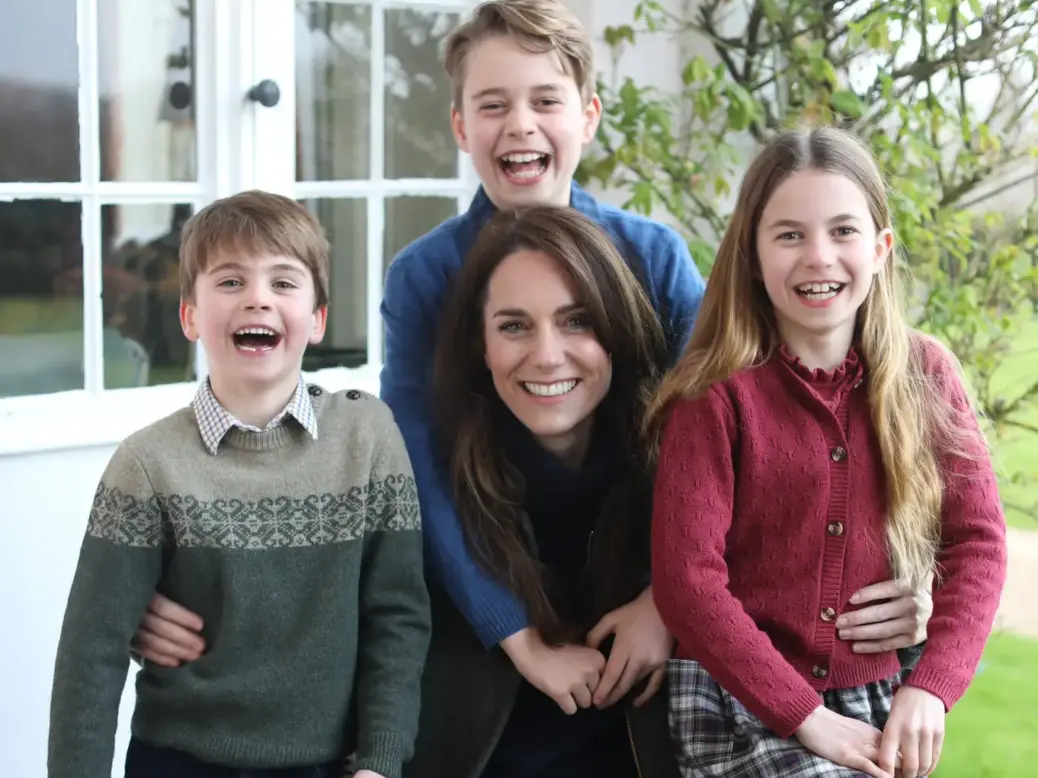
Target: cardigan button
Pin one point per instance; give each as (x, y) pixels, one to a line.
(315, 391)
(838, 454)
(819, 672)
(835, 528)
(828, 614)
(353, 394)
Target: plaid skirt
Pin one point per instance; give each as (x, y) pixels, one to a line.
(714, 734)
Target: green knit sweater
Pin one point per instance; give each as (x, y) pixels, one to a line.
(304, 558)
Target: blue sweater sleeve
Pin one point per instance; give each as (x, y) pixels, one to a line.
(410, 310)
(679, 288)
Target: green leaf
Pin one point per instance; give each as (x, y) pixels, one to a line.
(742, 108)
(696, 71)
(614, 36)
(771, 11)
(847, 103)
(878, 37)
(642, 198)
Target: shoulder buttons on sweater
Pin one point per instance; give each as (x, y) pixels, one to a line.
(315, 391)
(353, 394)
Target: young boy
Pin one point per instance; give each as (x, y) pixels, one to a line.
(284, 515)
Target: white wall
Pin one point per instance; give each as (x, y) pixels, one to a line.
(46, 498)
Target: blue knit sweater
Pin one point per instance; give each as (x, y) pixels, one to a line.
(414, 290)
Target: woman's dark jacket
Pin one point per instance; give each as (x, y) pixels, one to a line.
(469, 691)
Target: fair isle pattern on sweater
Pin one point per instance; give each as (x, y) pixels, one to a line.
(214, 421)
(385, 503)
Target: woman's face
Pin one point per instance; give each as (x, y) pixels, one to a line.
(548, 367)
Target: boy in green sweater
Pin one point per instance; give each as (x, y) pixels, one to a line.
(286, 516)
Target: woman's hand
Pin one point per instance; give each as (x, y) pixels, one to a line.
(899, 621)
(915, 731)
(567, 674)
(168, 634)
(641, 648)
(843, 740)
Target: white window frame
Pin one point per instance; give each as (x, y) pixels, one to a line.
(238, 43)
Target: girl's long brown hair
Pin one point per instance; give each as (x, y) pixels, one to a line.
(488, 488)
(736, 330)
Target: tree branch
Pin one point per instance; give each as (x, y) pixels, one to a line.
(930, 100)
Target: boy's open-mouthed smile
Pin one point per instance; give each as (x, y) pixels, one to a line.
(523, 122)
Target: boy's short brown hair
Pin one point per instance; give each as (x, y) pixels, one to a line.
(538, 26)
(255, 223)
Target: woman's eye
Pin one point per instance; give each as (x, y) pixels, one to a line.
(511, 326)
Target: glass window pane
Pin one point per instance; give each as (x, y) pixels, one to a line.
(41, 297)
(333, 88)
(419, 143)
(408, 218)
(143, 343)
(345, 341)
(39, 92)
(146, 84)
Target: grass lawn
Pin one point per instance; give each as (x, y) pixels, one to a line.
(993, 731)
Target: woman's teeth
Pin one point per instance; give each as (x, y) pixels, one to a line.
(824, 291)
(550, 390)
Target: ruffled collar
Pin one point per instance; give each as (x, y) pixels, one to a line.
(850, 371)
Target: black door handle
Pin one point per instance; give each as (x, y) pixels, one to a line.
(180, 95)
(266, 93)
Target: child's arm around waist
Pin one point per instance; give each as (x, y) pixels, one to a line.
(972, 559)
(120, 564)
(692, 513)
(394, 609)
(413, 294)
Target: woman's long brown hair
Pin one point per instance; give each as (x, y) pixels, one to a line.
(488, 488)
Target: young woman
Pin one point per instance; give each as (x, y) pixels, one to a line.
(813, 443)
(546, 359)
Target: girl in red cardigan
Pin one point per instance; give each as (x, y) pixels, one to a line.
(813, 443)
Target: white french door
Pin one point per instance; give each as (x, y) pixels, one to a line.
(124, 117)
(360, 133)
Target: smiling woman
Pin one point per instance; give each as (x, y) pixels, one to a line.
(546, 357)
(546, 362)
